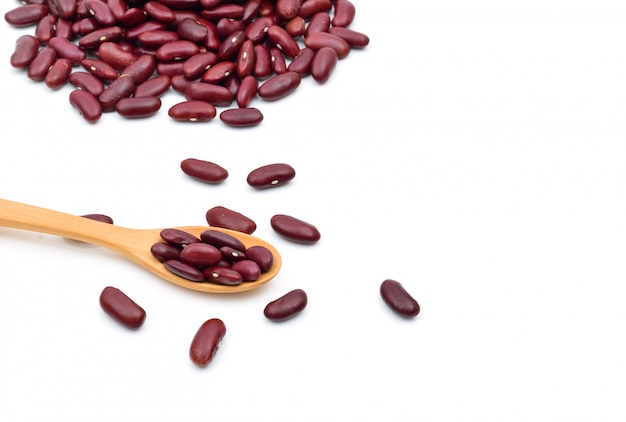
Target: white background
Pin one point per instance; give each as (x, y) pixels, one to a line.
(474, 151)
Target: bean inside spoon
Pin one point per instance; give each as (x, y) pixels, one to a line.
(134, 244)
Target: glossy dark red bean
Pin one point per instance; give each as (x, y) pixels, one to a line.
(196, 65)
(178, 237)
(247, 91)
(261, 255)
(100, 11)
(200, 255)
(283, 41)
(294, 229)
(344, 12)
(97, 37)
(118, 8)
(179, 83)
(113, 54)
(186, 271)
(170, 68)
(102, 218)
(218, 72)
(324, 64)
(141, 69)
(318, 40)
(262, 62)
(26, 15)
(86, 81)
(225, 10)
(222, 275)
(58, 73)
(100, 69)
(138, 107)
(257, 30)
(63, 8)
(271, 175)
(190, 29)
(67, 49)
(193, 111)
(287, 9)
(319, 22)
(242, 116)
(204, 171)
(231, 255)
(26, 48)
(301, 64)
(38, 67)
(132, 17)
(164, 251)
(311, 7)
(399, 299)
(86, 104)
(159, 11)
(46, 28)
(286, 306)
(279, 86)
(63, 28)
(132, 33)
(157, 37)
(250, 10)
(226, 218)
(249, 269)
(119, 88)
(207, 341)
(177, 50)
(296, 27)
(217, 95)
(220, 239)
(279, 64)
(354, 38)
(229, 48)
(245, 59)
(153, 87)
(122, 308)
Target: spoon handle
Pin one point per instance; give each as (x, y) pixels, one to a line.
(29, 217)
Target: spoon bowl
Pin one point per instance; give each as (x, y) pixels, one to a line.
(132, 243)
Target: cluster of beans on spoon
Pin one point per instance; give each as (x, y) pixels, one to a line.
(124, 55)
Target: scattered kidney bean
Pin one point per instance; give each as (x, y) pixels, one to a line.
(86, 104)
(248, 269)
(226, 218)
(153, 87)
(193, 111)
(26, 48)
(122, 308)
(286, 306)
(178, 237)
(207, 341)
(204, 171)
(242, 116)
(39, 66)
(294, 229)
(165, 251)
(121, 87)
(261, 255)
(279, 86)
(323, 64)
(318, 40)
(26, 15)
(271, 175)
(201, 255)
(87, 81)
(138, 107)
(398, 299)
(58, 73)
(220, 239)
(223, 275)
(101, 70)
(186, 271)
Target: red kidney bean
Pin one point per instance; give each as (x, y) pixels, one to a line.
(247, 91)
(226, 218)
(220, 239)
(271, 175)
(296, 27)
(180, 82)
(177, 50)
(354, 38)
(261, 255)
(63, 8)
(178, 237)
(311, 7)
(26, 48)
(318, 40)
(207, 341)
(279, 86)
(223, 275)
(294, 229)
(115, 55)
(301, 64)
(159, 12)
(245, 59)
(38, 67)
(141, 69)
(101, 70)
(67, 49)
(287, 9)
(218, 72)
(212, 41)
(319, 22)
(26, 15)
(228, 11)
(139, 107)
(398, 299)
(192, 30)
(132, 32)
(119, 88)
(196, 65)
(257, 29)
(283, 41)
(153, 87)
(230, 46)
(286, 306)
(170, 68)
(100, 11)
(102, 218)
(344, 12)
(118, 8)
(323, 64)
(98, 36)
(122, 308)
(217, 95)
(242, 117)
(249, 269)
(193, 111)
(86, 81)
(86, 104)
(231, 255)
(204, 171)
(46, 28)
(279, 65)
(64, 28)
(200, 255)
(157, 37)
(186, 271)
(262, 62)
(58, 74)
(132, 17)
(163, 251)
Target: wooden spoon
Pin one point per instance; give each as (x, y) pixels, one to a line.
(134, 244)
